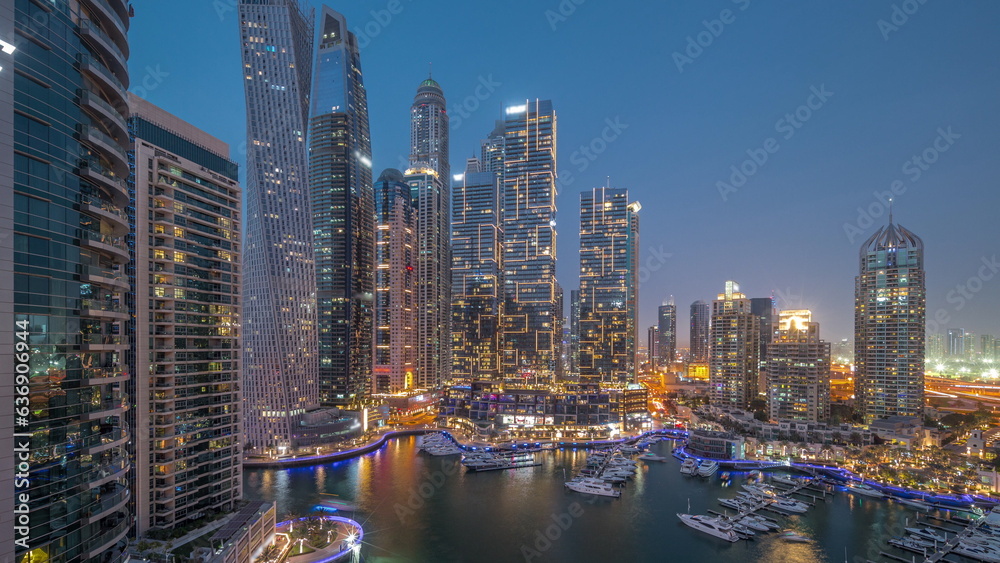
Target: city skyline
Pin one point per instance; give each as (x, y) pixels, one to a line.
(699, 149)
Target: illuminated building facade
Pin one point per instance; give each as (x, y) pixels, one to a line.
(187, 344)
(432, 203)
(797, 370)
(429, 176)
(653, 345)
(476, 274)
(531, 318)
(889, 325)
(64, 280)
(701, 316)
(395, 284)
(734, 363)
(667, 318)
(609, 240)
(279, 291)
(343, 214)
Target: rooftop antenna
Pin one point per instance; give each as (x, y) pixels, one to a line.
(890, 210)
(430, 70)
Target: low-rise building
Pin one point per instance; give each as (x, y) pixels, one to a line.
(715, 445)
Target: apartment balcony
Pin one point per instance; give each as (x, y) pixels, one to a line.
(109, 84)
(93, 171)
(117, 19)
(113, 149)
(100, 342)
(102, 309)
(104, 111)
(111, 407)
(116, 438)
(114, 497)
(109, 50)
(104, 277)
(106, 541)
(111, 246)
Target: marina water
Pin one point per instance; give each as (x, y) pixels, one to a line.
(419, 508)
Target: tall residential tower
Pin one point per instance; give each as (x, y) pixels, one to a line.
(343, 214)
(609, 240)
(532, 319)
(797, 369)
(734, 363)
(700, 321)
(667, 325)
(279, 289)
(476, 274)
(64, 285)
(889, 325)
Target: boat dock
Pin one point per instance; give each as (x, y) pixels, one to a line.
(953, 542)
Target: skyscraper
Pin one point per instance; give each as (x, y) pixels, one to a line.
(653, 345)
(734, 365)
(889, 325)
(797, 368)
(476, 274)
(700, 337)
(609, 239)
(574, 332)
(667, 317)
(767, 316)
(395, 284)
(531, 318)
(956, 342)
(279, 292)
(429, 177)
(187, 253)
(343, 214)
(63, 284)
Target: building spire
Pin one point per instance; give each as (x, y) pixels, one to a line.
(890, 210)
(430, 71)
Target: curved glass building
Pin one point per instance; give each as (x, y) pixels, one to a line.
(70, 202)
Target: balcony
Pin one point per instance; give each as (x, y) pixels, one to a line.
(102, 376)
(113, 247)
(113, 498)
(118, 20)
(95, 172)
(100, 342)
(103, 442)
(113, 150)
(99, 308)
(106, 541)
(105, 277)
(104, 111)
(104, 409)
(98, 39)
(105, 79)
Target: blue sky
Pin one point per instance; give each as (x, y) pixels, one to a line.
(837, 102)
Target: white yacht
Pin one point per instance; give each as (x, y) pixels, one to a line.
(712, 526)
(862, 489)
(789, 505)
(913, 503)
(784, 480)
(927, 533)
(593, 487)
(708, 468)
(650, 456)
(977, 552)
(689, 467)
(754, 524)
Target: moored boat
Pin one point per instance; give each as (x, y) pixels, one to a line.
(710, 525)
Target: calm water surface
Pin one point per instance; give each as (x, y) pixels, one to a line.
(419, 508)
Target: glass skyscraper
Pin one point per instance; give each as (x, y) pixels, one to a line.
(667, 319)
(797, 369)
(531, 317)
(343, 214)
(700, 337)
(609, 240)
(889, 325)
(279, 322)
(476, 274)
(64, 282)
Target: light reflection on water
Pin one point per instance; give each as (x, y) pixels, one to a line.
(418, 508)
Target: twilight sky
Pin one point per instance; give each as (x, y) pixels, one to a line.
(672, 101)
